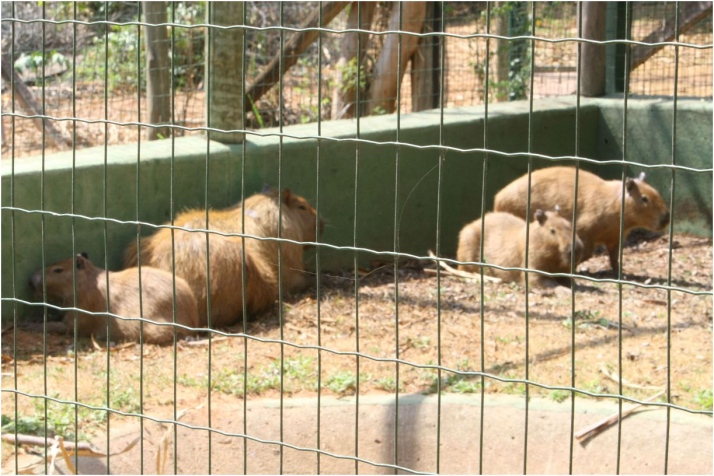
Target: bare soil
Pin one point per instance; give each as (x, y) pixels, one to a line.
(652, 337)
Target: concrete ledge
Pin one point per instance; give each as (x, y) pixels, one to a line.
(462, 449)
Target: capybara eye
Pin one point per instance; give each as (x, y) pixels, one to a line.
(552, 231)
(57, 270)
(645, 199)
(302, 207)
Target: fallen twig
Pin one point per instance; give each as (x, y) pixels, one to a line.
(615, 378)
(204, 341)
(594, 429)
(459, 273)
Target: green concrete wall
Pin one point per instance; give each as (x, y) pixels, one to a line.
(349, 173)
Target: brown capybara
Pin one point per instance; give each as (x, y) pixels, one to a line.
(299, 220)
(549, 246)
(157, 303)
(599, 205)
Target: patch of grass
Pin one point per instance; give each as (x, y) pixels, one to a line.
(126, 400)
(419, 342)
(388, 384)
(344, 382)
(454, 382)
(559, 395)
(60, 421)
(704, 399)
(299, 373)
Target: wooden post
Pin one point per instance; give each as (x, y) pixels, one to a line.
(224, 72)
(592, 83)
(158, 85)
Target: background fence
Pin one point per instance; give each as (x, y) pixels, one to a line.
(108, 56)
(378, 326)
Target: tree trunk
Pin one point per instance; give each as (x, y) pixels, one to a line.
(593, 56)
(225, 72)
(28, 103)
(344, 77)
(158, 85)
(383, 91)
(292, 49)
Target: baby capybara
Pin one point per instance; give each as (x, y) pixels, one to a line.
(599, 205)
(157, 303)
(226, 253)
(549, 246)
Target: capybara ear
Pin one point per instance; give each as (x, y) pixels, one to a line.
(81, 260)
(632, 189)
(287, 195)
(540, 216)
(641, 178)
(84, 254)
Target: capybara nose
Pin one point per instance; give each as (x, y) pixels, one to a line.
(664, 221)
(35, 281)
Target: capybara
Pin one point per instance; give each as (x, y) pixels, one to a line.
(549, 246)
(599, 205)
(157, 304)
(226, 253)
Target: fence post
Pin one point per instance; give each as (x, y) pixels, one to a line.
(593, 59)
(426, 64)
(224, 72)
(158, 86)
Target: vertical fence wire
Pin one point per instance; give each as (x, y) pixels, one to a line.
(172, 179)
(243, 275)
(621, 245)
(528, 220)
(75, 328)
(482, 271)
(318, 248)
(281, 317)
(138, 239)
(670, 238)
(210, 34)
(13, 236)
(396, 231)
(578, 84)
(105, 206)
(358, 115)
(42, 237)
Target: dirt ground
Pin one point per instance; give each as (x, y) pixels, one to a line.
(612, 333)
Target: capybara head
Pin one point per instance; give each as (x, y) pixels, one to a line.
(552, 236)
(59, 278)
(644, 207)
(298, 217)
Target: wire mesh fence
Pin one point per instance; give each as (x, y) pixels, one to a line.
(389, 319)
(116, 46)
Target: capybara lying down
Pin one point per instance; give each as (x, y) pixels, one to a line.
(157, 303)
(599, 205)
(549, 246)
(299, 221)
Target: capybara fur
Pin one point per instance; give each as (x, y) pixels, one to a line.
(157, 303)
(299, 221)
(599, 205)
(549, 246)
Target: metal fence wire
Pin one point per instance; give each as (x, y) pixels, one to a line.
(380, 129)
